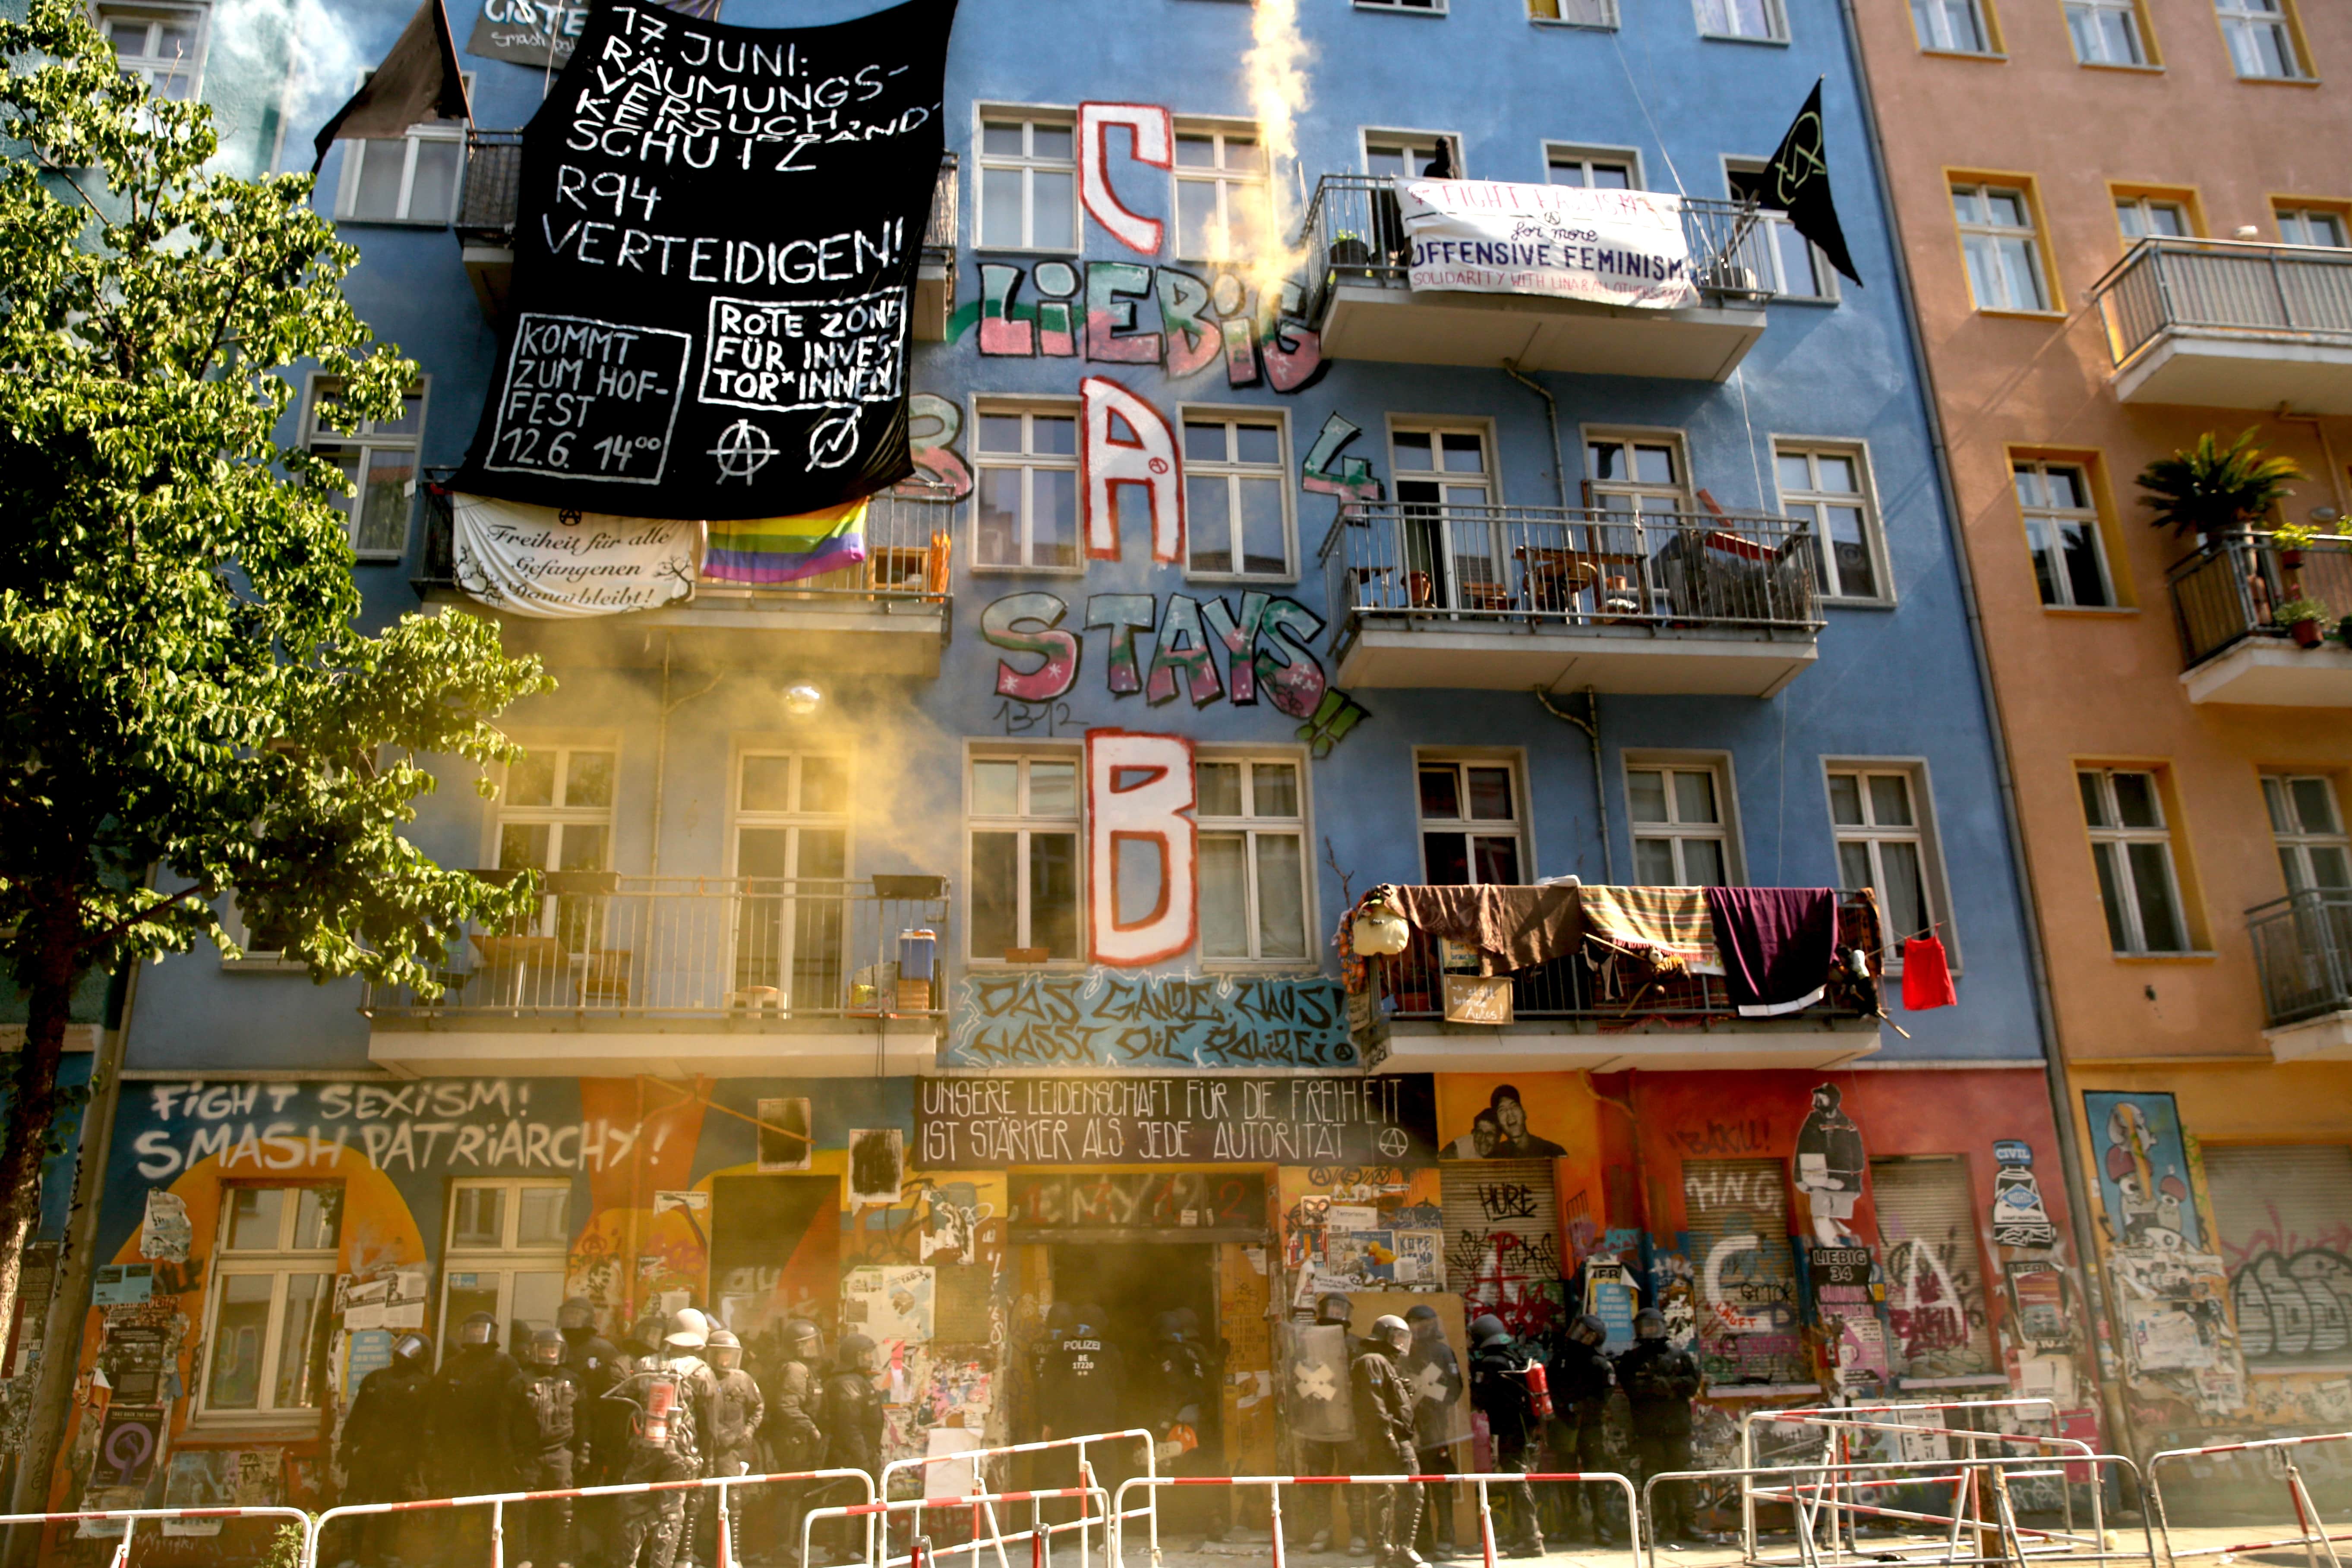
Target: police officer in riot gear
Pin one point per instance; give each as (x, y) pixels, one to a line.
(1581, 1378)
(852, 1419)
(1084, 1391)
(1498, 1390)
(383, 1448)
(1317, 1457)
(737, 1408)
(1384, 1442)
(1434, 1373)
(550, 1440)
(1173, 1403)
(1660, 1380)
(471, 1435)
(791, 1388)
(666, 1426)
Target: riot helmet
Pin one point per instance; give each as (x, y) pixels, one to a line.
(1168, 1326)
(477, 1331)
(1090, 1317)
(413, 1349)
(1649, 1323)
(1421, 1318)
(1060, 1316)
(724, 1351)
(1333, 1307)
(802, 1342)
(1392, 1331)
(688, 1330)
(577, 1320)
(546, 1348)
(1486, 1329)
(646, 1333)
(854, 1353)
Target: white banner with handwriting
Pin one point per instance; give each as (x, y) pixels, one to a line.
(1489, 237)
(557, 564)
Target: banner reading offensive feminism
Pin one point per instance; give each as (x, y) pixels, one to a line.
(715, 247)
(1487, 237)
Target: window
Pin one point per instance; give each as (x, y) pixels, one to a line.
(1952, 25)
(2143, 217)
(1028, 185)
(273, 1299)
(1023, 815)
(2105, 32)
(380, 460)
(556, 815)
(1424, 8)
(2001, 248)
(1741, 19)
(1446, 488)
(1469, 823)
(2260, 35)
(2284, 1213)
(2062, 530)
(1935, 1275)
(1236, 496)
(1882, 843)
(1221, 196)
(404, 179)
(162, 46)
(1574, 13)
(1784, 262)
(1634, 473)
(1409, 154)
(1682, 834)
(263, 943)
(1253, 859)
(792, 850)
(1826, 487)
(2309, 826)
(506, 1254)
(1597, 168)
(2311, 225)
(2133, 851)
(1028, 510)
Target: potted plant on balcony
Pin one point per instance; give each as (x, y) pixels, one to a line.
(1349, 253)
(2212, 490)
(2291, 540)
(2304, 619)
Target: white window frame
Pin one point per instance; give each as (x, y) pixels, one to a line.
(1558, 154)
(1251, 827)
(1978, 233)
(1597, 491)
(2294, 837)
(147, 67)
(1419, 145)
(2304, 216)
(256, 961)
(358, 150)
(2116, 838)
(1598, 14)
(1764, 243)
(1520, 826)
(1939, 22)
(1233, 470)
(2094, 10)
(1724, 832)
(1028, 462)
(2239, 21)
(506, 1259)
(1021, 824)
(1029, 163)
(1487, 478)
(2143, 205)
(1873, 532)
(1776, 22)
(365, 443)
(784, 905)
(1921, 834)
(279, 1264)
(1404, 8)
(2048, 518)
(555, 814)
(1226, 181)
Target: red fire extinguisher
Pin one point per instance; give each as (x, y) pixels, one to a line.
(661, 1398)
(1540, 1389)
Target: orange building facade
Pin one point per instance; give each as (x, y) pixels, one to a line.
(2125, 223)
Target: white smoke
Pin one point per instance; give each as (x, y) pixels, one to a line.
(1274, 71)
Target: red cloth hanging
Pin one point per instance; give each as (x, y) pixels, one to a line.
(1926, 976)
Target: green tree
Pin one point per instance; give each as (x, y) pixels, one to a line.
(186, 706)
(2209, 489)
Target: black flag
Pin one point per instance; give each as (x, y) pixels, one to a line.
(1797, 182)
(418, 81)
(715, 249)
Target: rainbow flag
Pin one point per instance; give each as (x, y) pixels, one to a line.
(787, 549)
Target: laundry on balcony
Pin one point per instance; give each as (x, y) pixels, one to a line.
(1655, 930)
(1522, 927)
(1779, 946)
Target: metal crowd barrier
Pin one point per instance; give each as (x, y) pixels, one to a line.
(1637, 1525)
(131, 1518)
(919, 1553)
(2313, 1538)
(1039, 1532)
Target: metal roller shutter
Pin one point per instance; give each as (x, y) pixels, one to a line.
(1502, 1239)
(2285, 1217)
(1934, 1267)
(1743, 1269)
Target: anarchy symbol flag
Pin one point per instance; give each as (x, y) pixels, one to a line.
(1797, 182)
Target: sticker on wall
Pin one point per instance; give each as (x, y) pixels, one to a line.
(1830, 1164)
(890, 1305)
(164, 1233)
(2019, 1218)
(2143, 1166)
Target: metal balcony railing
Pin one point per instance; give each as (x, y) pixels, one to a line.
(1569, 988)
(909, 544)
(486, 204)
(2292, 292)
(1355, 233)
(2229, 590)
(2302, 949)
(754, 948)
(1543, 566)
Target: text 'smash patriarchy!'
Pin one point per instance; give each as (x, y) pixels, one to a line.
(715, 242)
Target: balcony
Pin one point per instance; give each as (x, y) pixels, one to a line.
(2219, 324)
(1505, 598)
(1360, 298)
(683, 974)
(2302, 949)
(2224, 599)
(888, 615)
(486, 220)
(1563, 1019)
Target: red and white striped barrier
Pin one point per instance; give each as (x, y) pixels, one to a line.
(1039, 1533)
(133, 1518)
(983, 1504)
(2312, 1533)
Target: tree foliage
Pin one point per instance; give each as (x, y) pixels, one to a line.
(2209, 488)
(183, 684)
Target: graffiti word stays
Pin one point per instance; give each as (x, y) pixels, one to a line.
(1203, 649)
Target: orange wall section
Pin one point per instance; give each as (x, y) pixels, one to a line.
(2091, 685)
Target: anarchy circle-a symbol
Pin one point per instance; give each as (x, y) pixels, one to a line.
(1393, 1142)
(742, 451)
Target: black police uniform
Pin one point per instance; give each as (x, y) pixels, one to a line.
(1660, 1380)
(472, 1433)
(654, 1523)
(1581, 1378)
(1176, 1391)
(1384, 1445)
(550, 1439)
(1498, 1390)
(1434, 1373)
(383, 1447)
(852, 1419)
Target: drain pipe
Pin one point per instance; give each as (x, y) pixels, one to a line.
(1552, 415)
(1591, 724)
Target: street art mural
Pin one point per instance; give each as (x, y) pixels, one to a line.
(1028, 1019)
(1124, 312)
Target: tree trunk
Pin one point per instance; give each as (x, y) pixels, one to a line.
(32, 1107)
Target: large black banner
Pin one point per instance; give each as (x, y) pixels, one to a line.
(714, 249)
